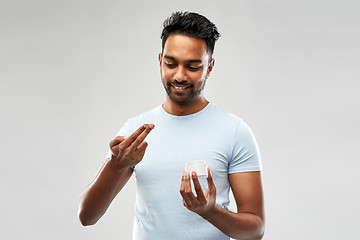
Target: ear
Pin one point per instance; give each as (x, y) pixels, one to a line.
(160, 59)
(210, 67)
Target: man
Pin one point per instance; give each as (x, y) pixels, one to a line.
(188, 128)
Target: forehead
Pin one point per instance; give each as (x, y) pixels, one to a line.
(185, 48)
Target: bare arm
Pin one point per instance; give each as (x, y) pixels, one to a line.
(113, 175)
(247, 223)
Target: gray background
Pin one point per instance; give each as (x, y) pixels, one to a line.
(73, 71)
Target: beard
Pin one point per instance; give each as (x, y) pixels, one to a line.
(182, 98)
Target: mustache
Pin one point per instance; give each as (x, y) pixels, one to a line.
(181, 83)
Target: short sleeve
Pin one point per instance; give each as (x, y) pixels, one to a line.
(245, 153)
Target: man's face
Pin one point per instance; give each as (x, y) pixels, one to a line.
(184, 67)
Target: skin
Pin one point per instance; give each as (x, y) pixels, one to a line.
(247, 222)
(113, 175)
(184, 63)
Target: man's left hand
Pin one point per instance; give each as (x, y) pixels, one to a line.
(203, 203)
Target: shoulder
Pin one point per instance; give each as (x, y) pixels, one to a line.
(229, 123)
(135, 122)
(225, 116)
(145, 116)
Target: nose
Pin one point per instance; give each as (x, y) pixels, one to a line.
(180, 74)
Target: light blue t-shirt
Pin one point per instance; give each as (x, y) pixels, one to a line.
(213, 135)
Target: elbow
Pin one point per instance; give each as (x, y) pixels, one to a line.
(260, 230)
(85, 218)
(258, 237)
(256, 232)
(85, 214)
(86, 223)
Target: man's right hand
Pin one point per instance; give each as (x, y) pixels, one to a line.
(129, 151)
(126, 152)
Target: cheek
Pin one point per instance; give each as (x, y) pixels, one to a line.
(165, 74)
(198, 76)
(204, 74)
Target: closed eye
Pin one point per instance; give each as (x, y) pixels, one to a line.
(193, 68)
(170, 65)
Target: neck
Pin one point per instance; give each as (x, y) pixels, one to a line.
(178, 109)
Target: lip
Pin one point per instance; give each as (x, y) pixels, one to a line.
(180, 87)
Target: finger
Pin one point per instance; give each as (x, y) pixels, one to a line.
(141, 151)
(182, 184)
(114, 144)
(140, 157)
(185, 190)
(186, 200)
(182, 191)
(192, 201)
(142, 147)
(140, 139)
(199, 192)
(211, 184)
(116, 141)
(133, 136)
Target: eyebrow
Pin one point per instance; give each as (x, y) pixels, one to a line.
(188, 61)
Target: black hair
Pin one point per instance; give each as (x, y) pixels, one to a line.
(192, 25)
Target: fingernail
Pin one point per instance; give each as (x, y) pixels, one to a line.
(151, 125)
